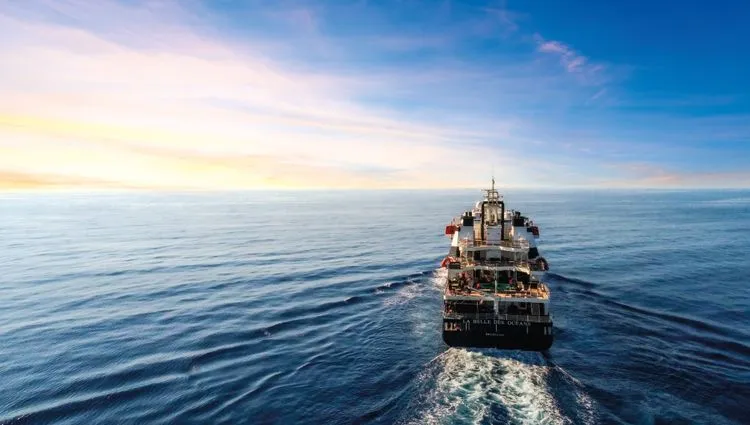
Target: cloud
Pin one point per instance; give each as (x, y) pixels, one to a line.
(73, 88)
(21, 180)
(80, 157)
(598, 94)
(553, 47)
(653, 175)
(156, 95)
(572, 61)
(701, 180)
(215, 99)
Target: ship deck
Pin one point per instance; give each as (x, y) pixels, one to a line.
(472, 245)
(539, 293)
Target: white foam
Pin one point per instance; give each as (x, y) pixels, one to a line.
(469, 384)
(403, 295)
(587, 405)
(410, 291)
(439, 277)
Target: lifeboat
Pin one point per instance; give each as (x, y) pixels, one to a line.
(447, 260)
(542, 264)
(450, 229)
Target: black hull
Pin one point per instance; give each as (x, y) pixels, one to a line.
(502, 334)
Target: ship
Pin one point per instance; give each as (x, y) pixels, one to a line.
(494, 296)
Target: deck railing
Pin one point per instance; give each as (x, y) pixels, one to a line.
(500, 263)
(502, 243)
(525, 264)
(493, 316)
(539, 287)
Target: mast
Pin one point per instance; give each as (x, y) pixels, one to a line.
(494, 207)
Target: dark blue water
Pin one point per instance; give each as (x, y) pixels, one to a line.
(324, 308)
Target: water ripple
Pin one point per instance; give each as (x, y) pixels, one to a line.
(309, 308)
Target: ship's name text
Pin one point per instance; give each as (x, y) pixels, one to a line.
(500, 322)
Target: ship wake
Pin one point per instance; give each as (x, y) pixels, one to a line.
(471, 387)
(412, 287)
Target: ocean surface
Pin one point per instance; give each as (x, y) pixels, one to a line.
(325, 308)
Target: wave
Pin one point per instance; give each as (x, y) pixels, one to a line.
(702, 326)
(579, 282)
(142, 271)
(53, 410)
(397, 284)
(728, 201)
(305, 310)
(409, 288)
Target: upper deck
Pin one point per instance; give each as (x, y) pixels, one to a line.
(469, 244)
(538, 293)
(502, 245)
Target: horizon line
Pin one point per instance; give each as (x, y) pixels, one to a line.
(48, 190)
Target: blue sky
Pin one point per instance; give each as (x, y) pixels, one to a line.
(226, 94)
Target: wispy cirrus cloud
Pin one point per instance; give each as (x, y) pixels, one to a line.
(598, 94)
(572, 61)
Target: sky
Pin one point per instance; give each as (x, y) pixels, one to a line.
(232, 95)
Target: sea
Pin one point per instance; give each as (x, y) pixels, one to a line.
(325, 308)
